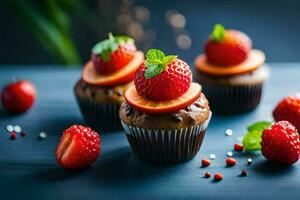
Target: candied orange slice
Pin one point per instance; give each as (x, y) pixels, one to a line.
(145, 105)
(124, 75)
(255, 59)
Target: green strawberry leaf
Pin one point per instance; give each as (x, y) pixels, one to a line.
(218, 33)
(106, 47)
(252, 140)
(259, 126)
(156, 62)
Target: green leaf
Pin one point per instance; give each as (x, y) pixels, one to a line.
(156, 62)
(153, 70)
(105, 48)
(155, 55)
(252, 140)
(218, 33)
(259, 126)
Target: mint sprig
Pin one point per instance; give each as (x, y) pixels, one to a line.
(156, 62)
(106, 47)
(252, 139)
(218, 33)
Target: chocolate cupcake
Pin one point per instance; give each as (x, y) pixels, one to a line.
(99, 92)
(231, 72)
(164, 124)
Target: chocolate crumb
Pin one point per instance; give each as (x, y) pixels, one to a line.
(177, 117)
(128, 110)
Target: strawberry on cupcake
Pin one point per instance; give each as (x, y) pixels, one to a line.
(165, 115)
(231, 72)
(104, 79)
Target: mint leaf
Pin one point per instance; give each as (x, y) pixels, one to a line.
(156, 62)
(218, 33)
(153, 70)
(169, 58)
(259, 126)
(106, 47)
(252, 140)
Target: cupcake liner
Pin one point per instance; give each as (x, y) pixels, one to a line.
(233, 99)
(99, 116)
(166, 146)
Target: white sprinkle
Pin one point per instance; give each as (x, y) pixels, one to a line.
(42, 135)
(229, 132)
(229, 153)
(17, 128)
(240, 139)
(249, 161)
(10, 128)
(212, 156)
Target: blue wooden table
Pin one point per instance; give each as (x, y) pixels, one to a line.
(28, 169)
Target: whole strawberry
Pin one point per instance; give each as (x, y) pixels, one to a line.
(227, 47)
(79, 147)
(289, 109)
(280, 143)
(162, 77)
(113, 53)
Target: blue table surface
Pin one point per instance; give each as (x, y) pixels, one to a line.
(28, 169)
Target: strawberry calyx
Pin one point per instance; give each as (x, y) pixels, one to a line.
(106, 47)
(218, 33)
(156, 62)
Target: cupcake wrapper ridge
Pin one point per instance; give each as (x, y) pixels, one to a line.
(100, 117)
(166, 146)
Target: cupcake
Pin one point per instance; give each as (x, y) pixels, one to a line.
(231, 72)
(105, 77)
(165, 115)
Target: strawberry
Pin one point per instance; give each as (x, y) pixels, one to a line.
(227, 47)
(79, 147)
(280, 143)
(162, 77)
(289, 109)
(113, 54)
(18, 97)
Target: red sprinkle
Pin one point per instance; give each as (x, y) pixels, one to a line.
(207, 175)
(230, 161)
(218, 177)
(244, 173)
(205, 162)
(238, 147)
(23, 133)
(13, 135)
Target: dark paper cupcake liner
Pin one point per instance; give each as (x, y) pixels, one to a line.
(99, 116)
(233, 99)
(166, 146)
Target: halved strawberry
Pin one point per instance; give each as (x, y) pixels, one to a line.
(162, 77)
(124, 75)
(255, 59)
(143, 104)
(113, 54)
(227, 47)
(79, 147)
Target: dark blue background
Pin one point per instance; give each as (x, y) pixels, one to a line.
(273, 26)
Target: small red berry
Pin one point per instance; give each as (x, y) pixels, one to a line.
(18, 97)
(205, 162)
(244, 173)
(13, 135)
(218, 176)
(207, 175)
(238, 147)
(230, 161)
(281, 143)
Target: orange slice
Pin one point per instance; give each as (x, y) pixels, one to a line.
(145, 105)
(255, 59)
(126, 74)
